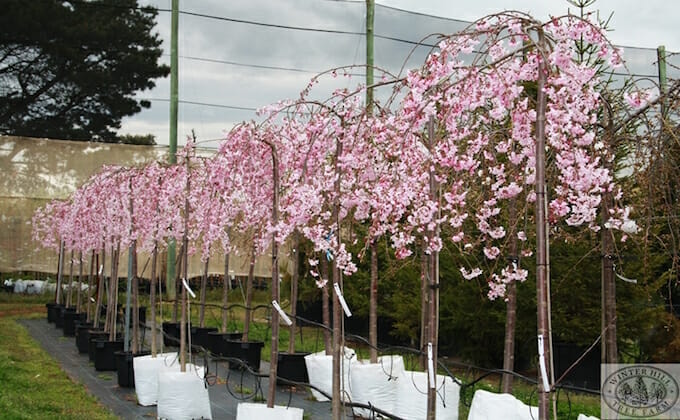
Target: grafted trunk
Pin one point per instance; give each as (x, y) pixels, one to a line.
(249, 296)
(89, 287)
(610, 350)
(294, 292)
(541, 239)
(79, 293)
(424, 310)
(225, 293)
(325, 307)
(152, 300)
(113, 302)
(510, 307)
(204, 283)
(135, 300)
(100, 288)
(373, 305)
(433, 285)
(69, 297)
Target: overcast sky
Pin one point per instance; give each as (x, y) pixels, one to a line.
(233, 59)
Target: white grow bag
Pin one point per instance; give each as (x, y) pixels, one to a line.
(320, 372)
(375, 384)
(183, 395)
(411, 402)
(252, 411)
(490, 406)
(146, 370)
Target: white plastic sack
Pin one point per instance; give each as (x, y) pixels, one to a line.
(375, 383)
(320, 371)
(411, 402)
(252, 411)
(584, 417)
(19, 286)
(183, 395)
(490, 406)
(146, 370)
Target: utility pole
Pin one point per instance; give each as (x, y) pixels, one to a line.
(172, 158)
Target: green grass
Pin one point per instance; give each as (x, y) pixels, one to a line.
(33, 385)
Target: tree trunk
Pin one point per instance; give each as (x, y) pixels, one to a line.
(135, 300)
(179, 260)
(107, 322)
(325, 307)
(204, 283)
(424, 310)
(274, 355)
(69, 297)
(113, 303)
(373, 305)
(225, 293)
(294, 292)
(433, 274)
(541, 239)
(336, 403)
(89, 288)
(510, 306)
(100, 288)
(79, 293)
(60, 270)
(249, 296)
(610, 351)
(183, 319)
(152, 300)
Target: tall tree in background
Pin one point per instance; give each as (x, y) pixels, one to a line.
(69, 69)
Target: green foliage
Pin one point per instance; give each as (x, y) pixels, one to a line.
(69, 69)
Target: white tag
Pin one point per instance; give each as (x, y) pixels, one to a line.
(281, 313)
(92, 299)
(186, 286)
(101, 268)
(541, 362)
(342, 300)
(430, 366)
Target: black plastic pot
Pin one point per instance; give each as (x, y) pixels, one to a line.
(82, 335)
(91, 345)
(53, 311)
(217, 341)
(59, 321)
(70, 319)
(199, 337)
(292, 367)
(104, 356)
(248, 352)
(125, 367)
(171, 334)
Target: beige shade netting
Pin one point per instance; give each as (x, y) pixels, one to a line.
(35, 171)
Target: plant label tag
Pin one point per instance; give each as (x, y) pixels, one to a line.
(541, 362)
(430, 366)
(186, 286)
(101, 269)
(281, 313)
(342, 300)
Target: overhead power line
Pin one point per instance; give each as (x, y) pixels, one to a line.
(235, 107)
